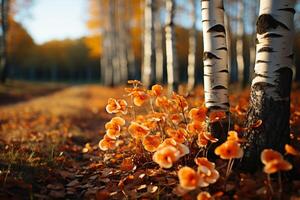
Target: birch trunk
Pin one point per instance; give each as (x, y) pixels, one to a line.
(239, 42)
(271, 86)
(149, 54)
(172, 65)
(215, 56)
(192, 49)
(159, 56)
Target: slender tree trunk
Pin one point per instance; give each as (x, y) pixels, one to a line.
(122, 40)
(159, 55)
(192, 49)
(172, 64)
(116, 78)
(148, 72)
(253, 14)
(271, 86)
(3, 46)
(215, 56)
(240, 43)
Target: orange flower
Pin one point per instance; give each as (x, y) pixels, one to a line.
(196, 127)
(162, 101)
(204, 137)
(204, 196)
(233, 136)
(207, 171)
(137, 130)
(198, 114)
(157, 89)
(183, 149)
(116, 106)
(177, 135)
(269, 155)
(118, 120)
(166, 156)
(188, 178)
(176, 118)
(139, 98)
(277, 165)
(291, 150)
(274, 161)
(123, 105)
(107, 143)
(112, 106)
(113, 128)
(180, 101)
(151, 142)
(229, 149)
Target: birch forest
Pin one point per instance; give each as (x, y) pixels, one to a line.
(150, 99)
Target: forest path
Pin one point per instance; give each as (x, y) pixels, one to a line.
(43, 140)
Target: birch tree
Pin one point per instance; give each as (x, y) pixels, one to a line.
(215, 56)
(172, 65)
(271, 86)
(148, 72)
(192, 48)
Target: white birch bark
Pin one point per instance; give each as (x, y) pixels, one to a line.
(215, 55)
(148, 62)
(274, 48)
(159, 56)
(239, 42)
(172, 65)
(192, 49)
(271, 86)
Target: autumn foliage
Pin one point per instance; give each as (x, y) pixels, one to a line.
(171, 132)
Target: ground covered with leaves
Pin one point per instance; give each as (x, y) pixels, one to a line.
(49, 149)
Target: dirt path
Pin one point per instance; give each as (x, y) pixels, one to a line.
(42, 142)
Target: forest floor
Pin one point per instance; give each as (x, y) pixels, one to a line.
(49, 138)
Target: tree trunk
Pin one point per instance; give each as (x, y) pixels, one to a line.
(240, 43)
(215, 56)
(172, 64)
(271, 86)
(149, 54)
(159, 56)
(3, 46)
(253, 14)
(192, 49)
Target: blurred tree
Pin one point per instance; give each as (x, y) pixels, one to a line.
(20, 47)
(8, 9)
(240, 42)
(112, 26)
(271, 86)
(159, 55)
(3, 43)
(192, 48)
(172, 64)
(148, 71)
